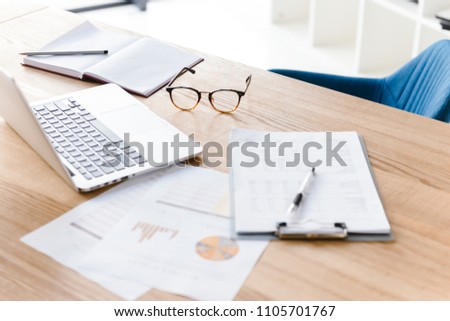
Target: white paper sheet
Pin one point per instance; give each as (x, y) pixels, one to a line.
(177, 239)
(262, 193)
(70, 237)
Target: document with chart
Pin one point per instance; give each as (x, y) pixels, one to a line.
(72, 236)
(264, 181)
(177, 239)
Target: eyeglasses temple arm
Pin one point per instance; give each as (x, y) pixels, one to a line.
(180, 73)
(248, 81)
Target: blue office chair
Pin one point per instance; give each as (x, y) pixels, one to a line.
(422, 86)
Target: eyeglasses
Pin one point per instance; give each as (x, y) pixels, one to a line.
(222, 100)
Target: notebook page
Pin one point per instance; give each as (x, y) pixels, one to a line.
(83, 37)
(144, 67)
(336, 193)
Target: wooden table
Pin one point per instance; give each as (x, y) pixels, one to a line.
(410, 155)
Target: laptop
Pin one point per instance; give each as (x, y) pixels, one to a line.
(95, 137)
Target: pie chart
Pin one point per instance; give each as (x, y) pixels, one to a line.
(217, 248)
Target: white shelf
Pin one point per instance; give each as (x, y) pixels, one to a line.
(430, 7)
(433, 23)
(333, 22)
(429, 33)
(385, 33)
(406, 8)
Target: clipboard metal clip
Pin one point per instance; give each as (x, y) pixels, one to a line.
(311, 230)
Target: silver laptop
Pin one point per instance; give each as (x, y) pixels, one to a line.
(95, 137)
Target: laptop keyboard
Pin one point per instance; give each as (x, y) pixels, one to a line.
(91, 147)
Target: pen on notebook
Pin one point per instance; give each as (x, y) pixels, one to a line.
(293, 207)
(65, 53)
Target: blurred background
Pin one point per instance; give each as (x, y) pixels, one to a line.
(348, 37)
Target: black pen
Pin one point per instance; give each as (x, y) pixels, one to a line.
(65, 53)
(293, 207)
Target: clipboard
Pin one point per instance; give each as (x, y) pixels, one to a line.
(326, 231)
(310, 229)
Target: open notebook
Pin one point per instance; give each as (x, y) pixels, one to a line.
(138, 64)
(264, 182)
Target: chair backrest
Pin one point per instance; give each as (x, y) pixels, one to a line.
(422, 86)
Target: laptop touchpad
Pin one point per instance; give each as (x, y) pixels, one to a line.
(134, 119)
